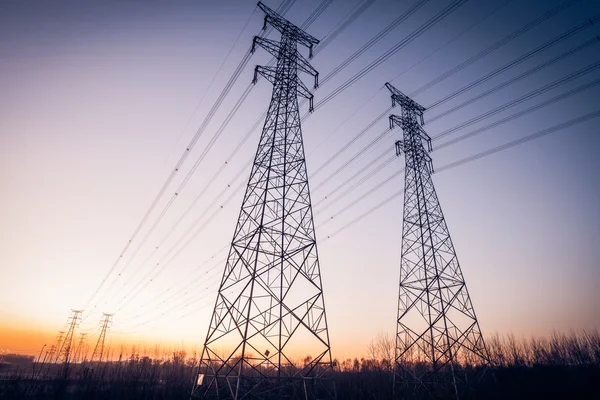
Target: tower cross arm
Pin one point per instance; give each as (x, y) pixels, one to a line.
(286, 27)
(274, 48)
(269, 45)
(404, 100)
(396, 120)
(304, 92)
(267, 72)
(410, 124)
(304, 66)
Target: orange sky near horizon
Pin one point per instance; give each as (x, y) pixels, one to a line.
(31, 340)
(29, 337)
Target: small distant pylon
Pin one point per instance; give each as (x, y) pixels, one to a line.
(99, 348)
(79, 351)
(54, 349)
(64, 352)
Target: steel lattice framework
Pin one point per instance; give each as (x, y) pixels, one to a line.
(53, 353)
(438, 339)
(99, 348)
(65, 351)
(80, 350)
(270, 306)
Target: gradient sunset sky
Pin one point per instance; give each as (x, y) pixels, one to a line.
(100, 99)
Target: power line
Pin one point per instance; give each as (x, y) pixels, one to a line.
(172, 175)
(344, 122)
(284, 8)
(316, 13)
(452, 40)
(525, 57)
(522, 113)
(590, 68)
(495, 46)
(170, 178)
(394, 24)
(366, 129)
(343, 24)
(378, 61)
(199, 160)
(160, 266)
(423, 59)
(375, 140)
(515, 79)
(364, 195)
(188, 283)
(361, 181)
(214, 78)
(520, 141)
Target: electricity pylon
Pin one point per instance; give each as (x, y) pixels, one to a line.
(53, 353)
(438, 338)
(64, 352)
(80, 350)
(270, 307)
(99, 348)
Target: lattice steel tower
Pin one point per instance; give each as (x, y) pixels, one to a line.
(438, 336)
(99, 348)
(80, 352)
(53, 353)
(269, 308)
(65, 350)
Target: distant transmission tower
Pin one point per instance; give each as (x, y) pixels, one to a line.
(80, 350)
(64, 352)
(269, 308)
(438, 336)
(52, 354)
(99, 348)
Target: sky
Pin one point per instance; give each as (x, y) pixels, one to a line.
(99, 101)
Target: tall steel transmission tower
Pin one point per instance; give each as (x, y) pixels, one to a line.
(269, 308)
(438, 338)
(99, 348)
(64, 352)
